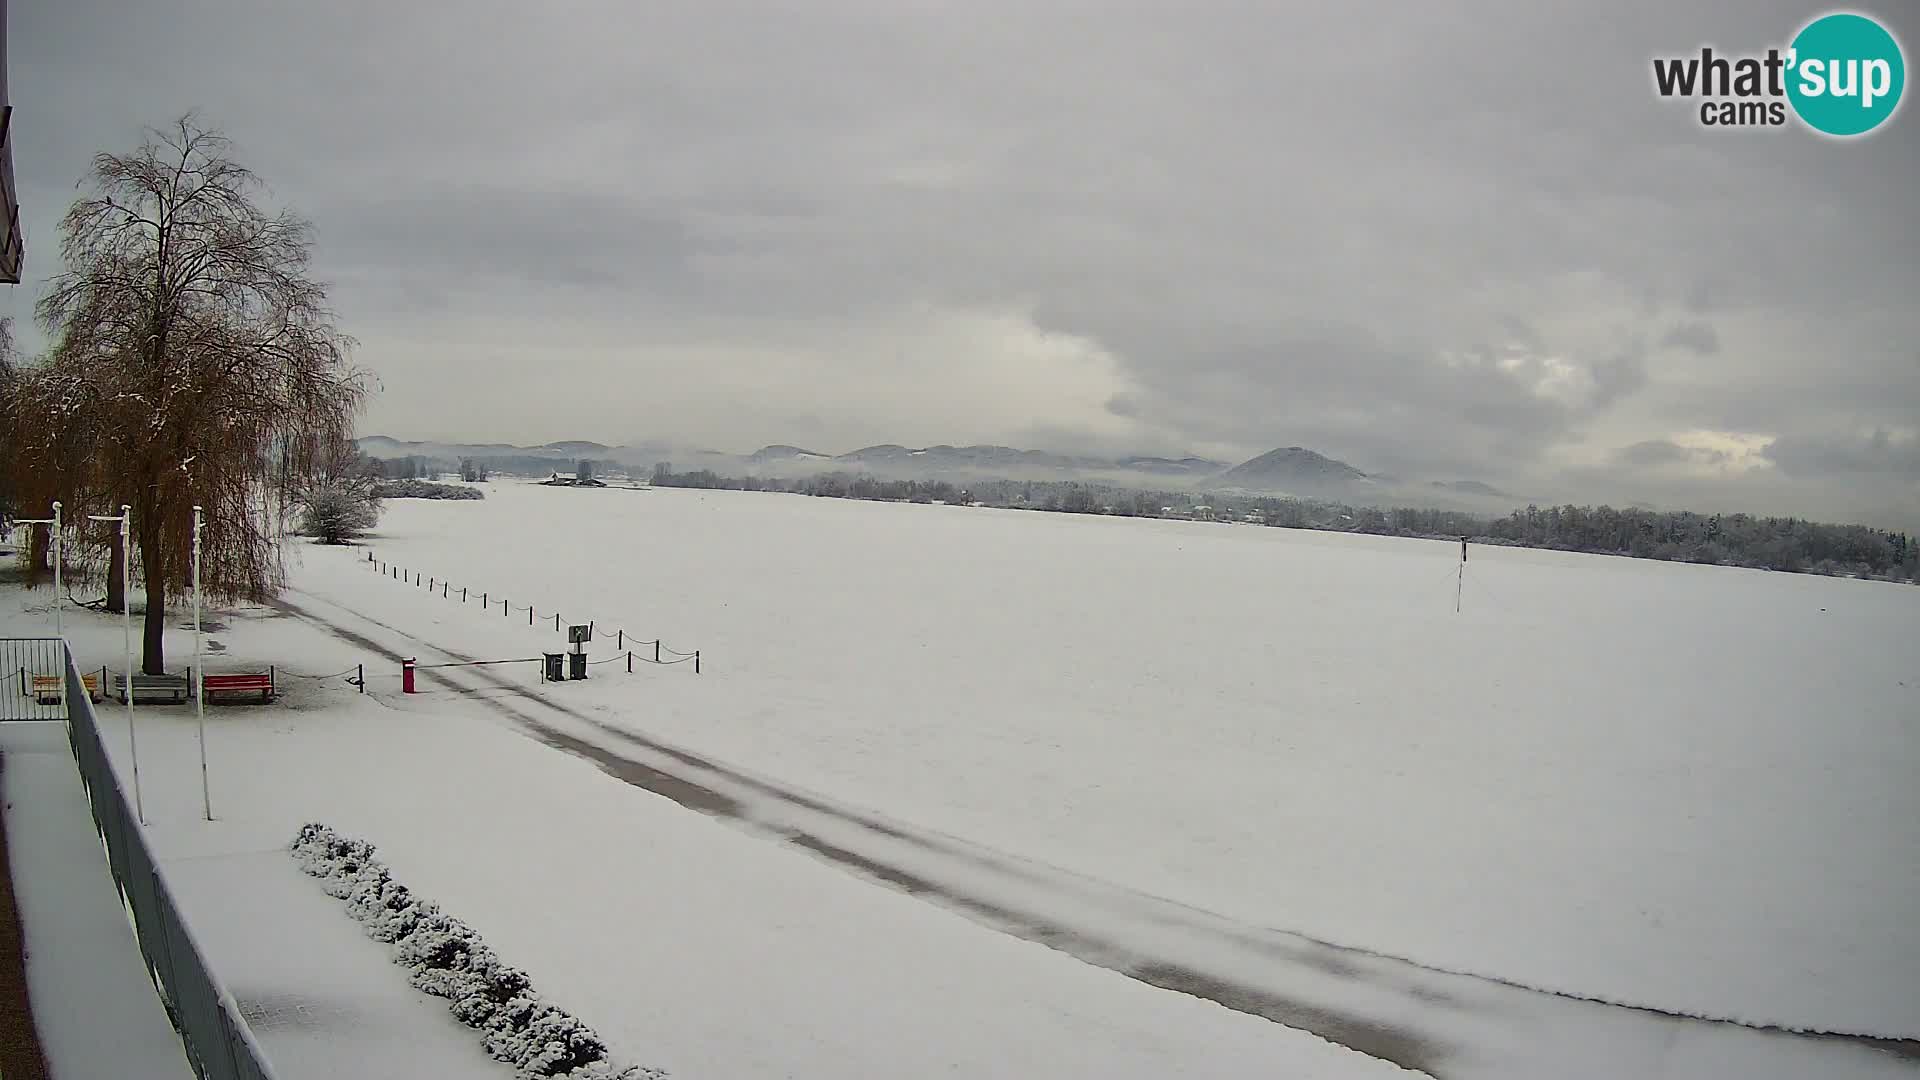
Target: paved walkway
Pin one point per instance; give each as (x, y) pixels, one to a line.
(92, 1002)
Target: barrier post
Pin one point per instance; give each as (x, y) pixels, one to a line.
(363, 677)
(619, 639)
(406, 675)
(629, 661)
(696, 661)
(656, 650)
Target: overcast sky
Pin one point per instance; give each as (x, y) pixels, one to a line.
(1435, 243)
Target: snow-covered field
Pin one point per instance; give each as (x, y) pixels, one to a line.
(1679, 786)
(687, 944)
(1688, 788)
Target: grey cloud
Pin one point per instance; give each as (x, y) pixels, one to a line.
(1876, 453)
(1274, 253)
(1654, 452)
(1619, 375)
(1694, 336)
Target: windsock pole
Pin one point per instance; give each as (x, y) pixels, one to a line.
(1460, 579)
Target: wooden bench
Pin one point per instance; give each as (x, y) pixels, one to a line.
(171, 689)
(258, 682)
(46, 688)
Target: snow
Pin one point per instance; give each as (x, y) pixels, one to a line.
(322, 998)
(94, 1005)
(1678, 786)
(1681, 787)
(449, 959)
(686, 944)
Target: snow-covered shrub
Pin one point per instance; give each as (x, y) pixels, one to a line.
(446, 958)
(338, 511)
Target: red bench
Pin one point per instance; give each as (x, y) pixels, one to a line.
(240, 683)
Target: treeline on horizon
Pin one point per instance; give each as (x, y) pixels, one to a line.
(1786, 544)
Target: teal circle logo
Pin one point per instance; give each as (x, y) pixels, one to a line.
(1845, 74)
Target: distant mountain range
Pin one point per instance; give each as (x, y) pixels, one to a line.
(1291, 470)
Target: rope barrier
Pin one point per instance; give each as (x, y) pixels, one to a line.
(298, 675)
(594, 631)
(663, 663)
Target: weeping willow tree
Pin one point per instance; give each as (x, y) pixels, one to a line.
(195, 361)
(49, 424)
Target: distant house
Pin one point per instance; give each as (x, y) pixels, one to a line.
(556, 480)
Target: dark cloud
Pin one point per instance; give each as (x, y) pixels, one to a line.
(1879, 452)
(855, 221)
(1654, 452)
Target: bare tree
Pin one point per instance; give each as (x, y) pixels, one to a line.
(209, 357)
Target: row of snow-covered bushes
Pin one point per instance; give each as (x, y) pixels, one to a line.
(424, 489)
(447, 959)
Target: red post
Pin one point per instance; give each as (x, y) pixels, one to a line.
(406, 675)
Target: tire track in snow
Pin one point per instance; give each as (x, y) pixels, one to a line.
(1444, 1024)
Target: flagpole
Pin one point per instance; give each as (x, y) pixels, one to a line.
(126, 609)
(59, 628)
(199, 677)
(59, 557)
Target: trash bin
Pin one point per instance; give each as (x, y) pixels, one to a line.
(576, 665)
(553, 670)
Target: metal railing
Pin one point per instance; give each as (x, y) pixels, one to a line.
(219, 1044)
(32, 677)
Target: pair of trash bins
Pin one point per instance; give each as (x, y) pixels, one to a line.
(567, 665)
